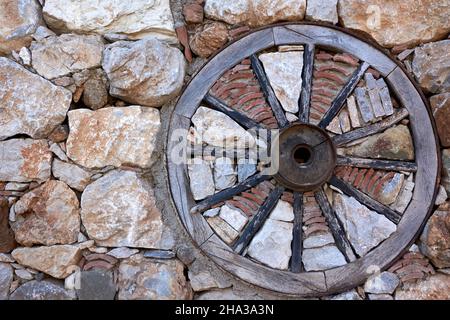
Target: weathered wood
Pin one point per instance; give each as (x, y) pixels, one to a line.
(228, 193)
(258, 220)
(389, 165)
(342, 96)
(370, 129)
(221, 106)
(277, 109)
(297, 234)
(307, 76)
(365, 199)
(335, 226)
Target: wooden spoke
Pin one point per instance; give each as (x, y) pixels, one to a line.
(365, 199)
(221, 106)
(335, 226)
(365, 163)
(297, 239)
(305, 96)
(268, 91)
(342, 96)
(228, 193)
(370, 129)
(258, 220)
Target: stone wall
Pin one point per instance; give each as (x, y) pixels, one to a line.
(86, 92)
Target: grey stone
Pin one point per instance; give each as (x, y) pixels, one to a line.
(322, 10)
(383, 283)
(96, 285)
(446, 170)
(75, 176)
(122, 252)
(235, 218)
(245, 170)
(384, 297)
(42, 290)
(201, 179)
(323, 258)
(6, 277)
(159, 254)
(349, 295)
(224, 173)
(318, 240)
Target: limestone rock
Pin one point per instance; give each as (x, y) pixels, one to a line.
(24, 160)
(349, 295)
(146, 72)
(34, 109)
(245, 169)
(217, 129)
(52, 260)
(6, 277)
(18, 21)
(113, 136)
(322, 10)
(255, 12)
(75, 176)
(47, 215)
(96, 285)
(440, 105)
(122, 252)
(209, 38)
(441, 197)
(435, 240)
(446, 169)
(431, 64)
(224, 173)
(391, 190)
(272, 244)
(283, 211)
(233, 217)
(405, 195)
(223, 229)
(382, 296)
(7, 241)
(119, 209)
(201, 179)
(394, 143)
(421, 20)
(322, 258)
(284, 70)
(436, 287)
(131, 20)
(204, 280)
(42, 290)
(145, 279)
(318, 240)
(365, 229)
(385, 282)
(58, 56)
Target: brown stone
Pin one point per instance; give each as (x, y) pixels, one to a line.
(149, 279)
(440, 105)
(183, 37)
(59, 134)
(95, 90)
(396, 22)
(193, 13)
(209, 38)
(436, 287)
(47, 215)
(435, 239)
(7, 242)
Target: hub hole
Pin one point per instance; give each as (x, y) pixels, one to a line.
(302, 155)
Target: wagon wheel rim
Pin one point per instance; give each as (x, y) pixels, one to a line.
(296, 281)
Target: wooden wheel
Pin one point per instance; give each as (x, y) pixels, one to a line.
(358, 160)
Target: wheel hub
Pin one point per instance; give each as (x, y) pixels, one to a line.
(307, 157)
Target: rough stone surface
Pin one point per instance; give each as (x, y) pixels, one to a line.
(144, 279)
(391, 190)
(122, 252)
(47, 215)
(395, 143)
(25, 160)
(385, 282)
(322, 258)
(34, 109)
(245, 170)
(209, 38)
(431, 65)
(446, 170)
(146, 72)
(284, 70)
(96, 285)
(113, 136)
(318, 240)
(233, 217)
(6, 277)
(322, 10)
(7, 241)
(283, 211)
(18, 21)
(119, 210)
(224, 173)
(201, 179)
(52, 260)
(272, 244)
(218, 129)
(421, 20)
(75, 176)
(193, 13)
(365, 229)
(436, 287)
(95, 90)
(204, 280)
(435, 239)
(349, 295)
(255, 12)
(42, 290)
(440, 105)
(132, 20)
(58, 56)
